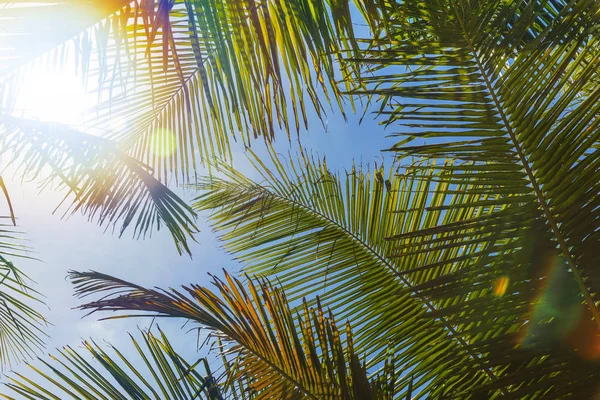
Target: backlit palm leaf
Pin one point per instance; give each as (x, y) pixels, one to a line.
(186, 75)
(21, 333)
(273, 353)
(157, 372)
(240, 65)
(412, 255)
(321, 233)
(108, 186)
(511, 117)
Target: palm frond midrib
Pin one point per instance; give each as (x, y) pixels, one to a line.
(527, 166)
(375, 254)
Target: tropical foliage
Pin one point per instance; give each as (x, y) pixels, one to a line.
(466, 267)
(165, 67)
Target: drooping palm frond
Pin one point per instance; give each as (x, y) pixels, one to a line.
(158, 372)
(275, 354)
(107, 185)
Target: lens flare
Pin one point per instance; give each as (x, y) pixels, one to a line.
(164, 143)
(500, 285)
(585, 338)
(558, 314)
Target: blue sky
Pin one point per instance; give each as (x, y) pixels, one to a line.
(76, 244)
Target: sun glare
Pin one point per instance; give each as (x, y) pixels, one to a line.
(500, 285)
(163, 143)
(53, 95)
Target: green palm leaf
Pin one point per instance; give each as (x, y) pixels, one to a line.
(209, 86)
(514, 101)
(21, 324)
(321, 233)
(275, 354)
(517, 110)
(412, 255)
(158, 372)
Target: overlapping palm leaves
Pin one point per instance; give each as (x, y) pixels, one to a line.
(519, 115)
(472, 87)
(508, 91)
(460, 284)
(189, 61)
(179, 74)
(268, 352)
(186, 75)
(158, 372)
(319, 232)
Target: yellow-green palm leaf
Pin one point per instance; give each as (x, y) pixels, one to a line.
(186, 75)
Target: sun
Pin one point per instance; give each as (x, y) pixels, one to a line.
(53, 94)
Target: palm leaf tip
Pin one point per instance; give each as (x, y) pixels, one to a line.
(265, 346)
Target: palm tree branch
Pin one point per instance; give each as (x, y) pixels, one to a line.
(240, 207)
(263, 192)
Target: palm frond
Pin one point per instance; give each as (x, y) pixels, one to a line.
(107, 185)
(234, 66)
(461, 282)
(317, 232)
(157, 372)
(21, 324)
(276, 354)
